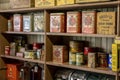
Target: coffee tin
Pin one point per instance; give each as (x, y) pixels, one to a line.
(79, 58)
(72, 58)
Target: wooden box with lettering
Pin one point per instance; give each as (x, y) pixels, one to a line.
(73, 22)
(89, 22)
(39, 22)
(44, 3)
(27, 23)
(106, 23)
(64, 2)
(60, 53)
(57, 22)
(84, 1)
(17, 22)
(22, 3)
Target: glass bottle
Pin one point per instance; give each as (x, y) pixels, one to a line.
(36, 72)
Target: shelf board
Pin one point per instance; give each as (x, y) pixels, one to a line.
(22, 59)
(27, 33)
(65, 7)
(80, 34)
(84, 67)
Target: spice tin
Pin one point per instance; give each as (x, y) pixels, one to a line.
(102, 60)
(92, 60)
(29, 54)
(89, 22)
(79, 58)
(76, 46)
(57, 22)
(72, 58)
(10, 25)
(60, 53)
(73, 22)
(17, 22)
(7, 50)
(27, 23)
(39, 22)
(87, 50)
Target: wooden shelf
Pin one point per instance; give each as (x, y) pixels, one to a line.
(84, 67)
(27, 33)
(80, 34)
(22, 59)
(65, 7)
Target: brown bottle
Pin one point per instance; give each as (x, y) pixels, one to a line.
(36, 72)
(25, 71)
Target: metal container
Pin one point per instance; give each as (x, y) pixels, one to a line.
(79, 58)
(72, 58)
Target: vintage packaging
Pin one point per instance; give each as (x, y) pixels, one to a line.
(44, 3)
(39, 22)
(22, 3)
(72, 58)
(60, 54)
(115, 57)
(13, 49)
(13, 72)
(57, 22)
(89, 22)
(106, 23)
(64, 2)
(17, 22)
(84, 1)
(27, 23)
(73, 22)
(79, 58)
(10, 24)
(92, 61)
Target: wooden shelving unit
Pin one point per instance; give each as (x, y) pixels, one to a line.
(23, 59)
(50, 39)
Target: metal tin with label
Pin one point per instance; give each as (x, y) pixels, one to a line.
(72, 58)
(79, 58)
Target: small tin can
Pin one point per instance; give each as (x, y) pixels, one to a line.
(10, 28)
(79, 58)
(87, 50)
(7, 50)
(92, 60)
(102, 60)
(110, 61)
(72, 58)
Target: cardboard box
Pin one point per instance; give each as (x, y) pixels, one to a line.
(84, 1)
(115, 57)
(106, 23)
(60, 53)
(22, 3)
(89, 22)
(73, 22)
(57, 22)
(44, 3)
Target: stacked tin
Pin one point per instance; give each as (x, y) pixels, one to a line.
(75, 53)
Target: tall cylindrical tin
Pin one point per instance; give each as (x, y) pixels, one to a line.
(79, 58)
(72, 58)
(92, 60)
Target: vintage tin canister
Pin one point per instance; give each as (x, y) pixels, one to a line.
(89, 22)
(102, 60)
(73, 22)
(57, 22)
(60, 53)
(30, 54)
(79, 58)
(72, 58)
(92, 60)
(7, 50)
